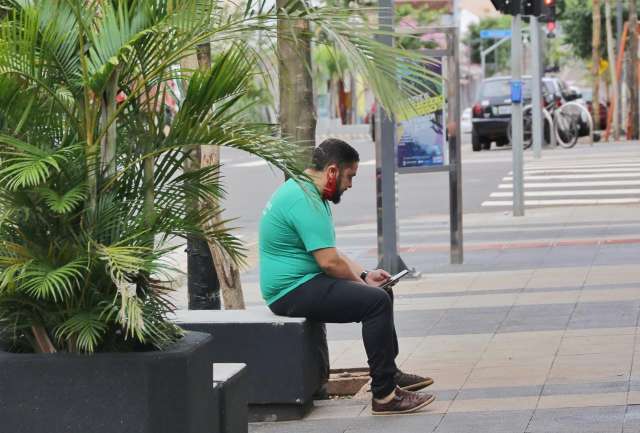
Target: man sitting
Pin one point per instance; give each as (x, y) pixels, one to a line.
(302, 274)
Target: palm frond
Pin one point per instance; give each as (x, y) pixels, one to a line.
(66, 202)
(85, 329)
(45, 282)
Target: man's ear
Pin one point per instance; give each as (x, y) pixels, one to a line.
(332, 170)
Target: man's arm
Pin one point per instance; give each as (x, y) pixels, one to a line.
(337, 265)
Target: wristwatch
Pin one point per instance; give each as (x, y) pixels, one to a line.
(363, 275)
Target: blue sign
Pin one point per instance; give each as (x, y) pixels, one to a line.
(495, 33)
(516, 91)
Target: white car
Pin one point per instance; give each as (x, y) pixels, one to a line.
(465, 122)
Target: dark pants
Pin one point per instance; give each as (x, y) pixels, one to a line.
(331, 300)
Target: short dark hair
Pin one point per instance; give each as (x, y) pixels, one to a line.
(333, 151)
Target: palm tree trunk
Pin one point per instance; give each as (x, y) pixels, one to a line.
(633, 72)
(209, 260)
(109, 142)
(595, 69)
(611, 54)
(297, 110)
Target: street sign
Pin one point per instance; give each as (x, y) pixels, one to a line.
(495, 34)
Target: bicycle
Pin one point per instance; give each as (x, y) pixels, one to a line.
(564, 123)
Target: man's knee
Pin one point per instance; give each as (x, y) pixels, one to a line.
(380, 301)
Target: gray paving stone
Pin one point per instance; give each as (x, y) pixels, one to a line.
(331, 425)
(585, 388)
(537, 318)
(604, 315)
(485, 422)
(632, 419)
(607, 419)
(499, 392)
(421, 422)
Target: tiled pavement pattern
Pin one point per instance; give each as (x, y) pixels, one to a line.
(536, 332)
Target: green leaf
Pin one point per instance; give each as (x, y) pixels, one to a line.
(67, 202)
(25, 165)
(85, 329)
(44, 282)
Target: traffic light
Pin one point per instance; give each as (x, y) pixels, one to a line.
(545, 9)
(548, 11)
(507, 7)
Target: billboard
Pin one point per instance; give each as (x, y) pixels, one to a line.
(421, 137)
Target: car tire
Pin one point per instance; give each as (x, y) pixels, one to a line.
(476, 145)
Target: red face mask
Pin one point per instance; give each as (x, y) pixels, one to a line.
(330, 188)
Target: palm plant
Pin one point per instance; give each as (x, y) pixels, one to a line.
(92, 190)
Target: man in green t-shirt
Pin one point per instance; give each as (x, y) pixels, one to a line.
(302, 274)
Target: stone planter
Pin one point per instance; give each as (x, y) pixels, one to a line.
(148, 392)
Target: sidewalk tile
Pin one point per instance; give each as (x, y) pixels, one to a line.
(485, 422)
(578, 420)
(493, 404)
(582, 400)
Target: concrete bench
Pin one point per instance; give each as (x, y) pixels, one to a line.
(230, 389)
(287, 358)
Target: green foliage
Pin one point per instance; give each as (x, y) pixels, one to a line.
(416, 16)
(577, 26)
(93, 193)
(500, 56)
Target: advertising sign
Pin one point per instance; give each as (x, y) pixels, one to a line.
(421, 137)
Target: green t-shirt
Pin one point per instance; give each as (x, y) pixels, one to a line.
(294, 223)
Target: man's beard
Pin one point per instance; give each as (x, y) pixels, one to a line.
(337, 194)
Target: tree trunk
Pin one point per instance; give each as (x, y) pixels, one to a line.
(632, 125)
(226, 269)
(209, 261)
(297, 111)
(611, 54)
(595, 70)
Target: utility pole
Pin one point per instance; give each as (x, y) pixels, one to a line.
(619, 25)
(516, 114)
(388, 257)
(632, 77)
(536, 79)
(612, 71)
(595, 58)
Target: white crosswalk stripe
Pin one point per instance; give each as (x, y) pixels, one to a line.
(559, 183)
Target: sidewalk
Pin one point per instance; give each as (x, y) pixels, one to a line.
(536, 332)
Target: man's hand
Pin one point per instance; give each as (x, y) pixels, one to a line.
(377, 278)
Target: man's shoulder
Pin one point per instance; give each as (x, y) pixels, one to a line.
(292, 192)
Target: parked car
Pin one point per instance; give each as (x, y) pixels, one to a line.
(466, 121)
(491, 115)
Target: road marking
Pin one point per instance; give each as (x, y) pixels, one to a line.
(571, 193)
(579, 176)
(259, 163)
(566, 202)
(583, 170)
(630, 162)
(573, 184)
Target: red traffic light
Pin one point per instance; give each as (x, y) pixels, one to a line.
(550, 3)
(551, 26)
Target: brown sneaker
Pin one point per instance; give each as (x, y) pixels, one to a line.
(403, 402)
(411, 382)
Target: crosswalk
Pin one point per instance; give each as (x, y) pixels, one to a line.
(561, 183)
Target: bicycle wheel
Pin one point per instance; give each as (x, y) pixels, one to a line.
(567, 129)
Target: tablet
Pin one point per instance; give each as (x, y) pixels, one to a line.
(394, 279)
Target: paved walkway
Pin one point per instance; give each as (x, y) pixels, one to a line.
(536, 332)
